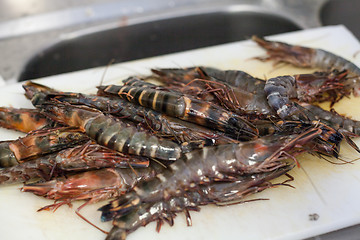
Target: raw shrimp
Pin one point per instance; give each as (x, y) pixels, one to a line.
(311, 58)
(38, 143)
(220, 193)
(185, 108)
(161, 124)
(88, 156)
(179, 188)
(95, 185)
(218, 163)
(304, 88)
(239, 92)
(332, 118)
(94, 156)
(109, 132)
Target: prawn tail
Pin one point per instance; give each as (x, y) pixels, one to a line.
(119, 207)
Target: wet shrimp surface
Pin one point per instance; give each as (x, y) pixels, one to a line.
(166, 143)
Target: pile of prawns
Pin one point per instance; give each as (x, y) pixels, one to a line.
(203, 136)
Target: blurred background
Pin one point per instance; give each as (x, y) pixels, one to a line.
(46, 37)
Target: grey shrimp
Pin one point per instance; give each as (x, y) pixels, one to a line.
(217, 163)
(219, 193)
(311, 58)
(109, 132)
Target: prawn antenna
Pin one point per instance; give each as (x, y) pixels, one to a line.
(105, 70)
(313, 185)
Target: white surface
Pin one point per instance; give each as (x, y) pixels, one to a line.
(331, 191)
(2, 81)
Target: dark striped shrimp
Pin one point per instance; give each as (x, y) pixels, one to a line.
(137, 82)
(185, 108)
(311, 58)
(24, 120)
(222, 193)
(109, 132)
(39, 143)
(161, 124)
(39, 168)
(219, 163)
(234, 78)
(88, 156)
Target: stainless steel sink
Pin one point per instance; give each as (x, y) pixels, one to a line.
(153, 38)
(79, 38)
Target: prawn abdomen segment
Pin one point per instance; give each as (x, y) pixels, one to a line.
(279, 90)
(327, 60)
(193, 110)
(114, 134)
(127, 139)
(167, 102)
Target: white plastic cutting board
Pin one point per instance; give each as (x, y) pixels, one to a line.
(330, 191)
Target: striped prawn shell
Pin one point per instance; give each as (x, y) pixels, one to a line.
(38, 143)
(114, 134)
(185, 108)
(160, 123)
(223, 193)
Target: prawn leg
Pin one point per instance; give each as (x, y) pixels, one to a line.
(219, 163)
